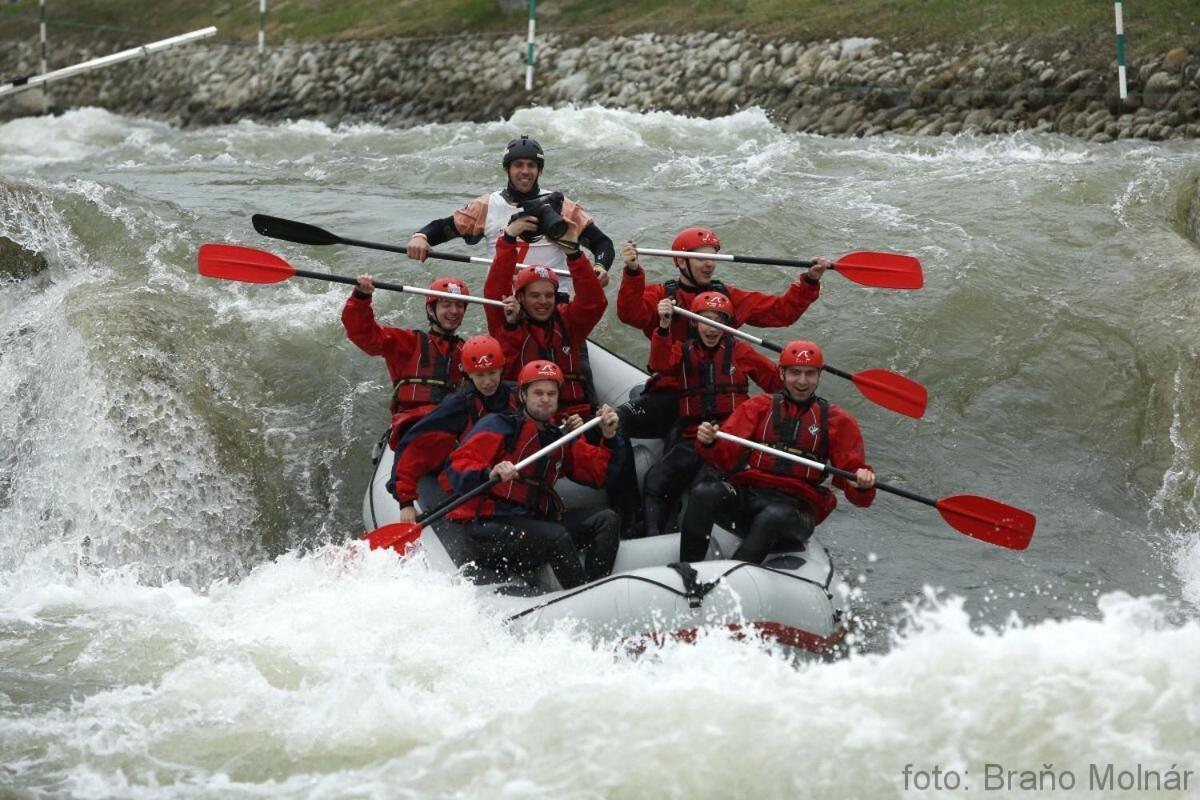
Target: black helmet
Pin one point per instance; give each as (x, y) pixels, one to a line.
(524, 147)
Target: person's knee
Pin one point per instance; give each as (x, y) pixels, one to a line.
(559, 538)
(709, 494)
(627, 413)
(780, 517)
(605, 521)
(657, 479)
(785, 523)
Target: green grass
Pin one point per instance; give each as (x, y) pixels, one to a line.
(1085, 26)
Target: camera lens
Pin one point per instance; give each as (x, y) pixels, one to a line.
(551, 223)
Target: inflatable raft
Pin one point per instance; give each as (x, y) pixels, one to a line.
(794, 597)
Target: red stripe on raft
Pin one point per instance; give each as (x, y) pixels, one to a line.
(784, 634)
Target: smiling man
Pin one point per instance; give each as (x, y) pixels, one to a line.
(424, 365)
(486, 216)
(637, 305)
(429, 442)
(534, 325)
(768, 500)
(521, 522)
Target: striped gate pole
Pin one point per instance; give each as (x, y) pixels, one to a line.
(1120, 49)
(262, 31)
(529, 46)
(44, 67)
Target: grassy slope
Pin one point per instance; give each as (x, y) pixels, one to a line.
(1086, 26)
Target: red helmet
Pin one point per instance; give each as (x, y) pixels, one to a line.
(712, 301)
(801, 354)
(528, 275)
(540, 370)
(694, 238)
(481, 354)
(451, 285)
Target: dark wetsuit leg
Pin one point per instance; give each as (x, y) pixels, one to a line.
(598, 533)
(709, 500)
(666, 482)
(519, 544)
(773, 518)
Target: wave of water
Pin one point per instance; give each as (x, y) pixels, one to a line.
(245, 691)
(171, 446)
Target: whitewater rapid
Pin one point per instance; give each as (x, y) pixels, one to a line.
(181, 461)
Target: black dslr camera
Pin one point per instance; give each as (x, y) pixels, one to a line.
(548, 210)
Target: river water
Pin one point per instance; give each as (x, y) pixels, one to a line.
(181, 458)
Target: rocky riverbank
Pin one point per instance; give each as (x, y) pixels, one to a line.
(854, 87)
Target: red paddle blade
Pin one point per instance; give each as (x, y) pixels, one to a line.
(398, 536)
(234, 263)
(885, 270)
(892, 391)
(989, 520)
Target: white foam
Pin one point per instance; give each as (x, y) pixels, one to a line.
(995, 153)
(73, 136)
(1176, 504)
(394, 677)
(599, 127)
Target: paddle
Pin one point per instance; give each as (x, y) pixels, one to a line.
(882, 387)
(303, 233)
(399, 535)
(976, 516)
(234, 263)
(883, 270)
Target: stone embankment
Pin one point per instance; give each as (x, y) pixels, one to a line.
(854, 87)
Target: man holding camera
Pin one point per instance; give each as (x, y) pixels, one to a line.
(486, 217)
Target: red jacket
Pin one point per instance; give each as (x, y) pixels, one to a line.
(527, 341)
(754, 420)
(400, 348)
(427, 444)
(666, 359)
(496, 438)
(637, 305)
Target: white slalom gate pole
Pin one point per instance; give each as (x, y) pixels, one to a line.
(529, 46)
(105, 61)
(44, 61)
(262, 26)
(1120, 48)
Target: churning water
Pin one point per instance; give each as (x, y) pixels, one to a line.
(181, 460)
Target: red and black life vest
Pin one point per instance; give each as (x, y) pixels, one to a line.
(710, 389)
(806, 435)
(578, 386)
(534, 487)
(429, 374)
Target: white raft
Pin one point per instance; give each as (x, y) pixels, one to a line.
(794, 597)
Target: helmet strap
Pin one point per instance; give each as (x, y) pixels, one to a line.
(434, 325)
(686, 271)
